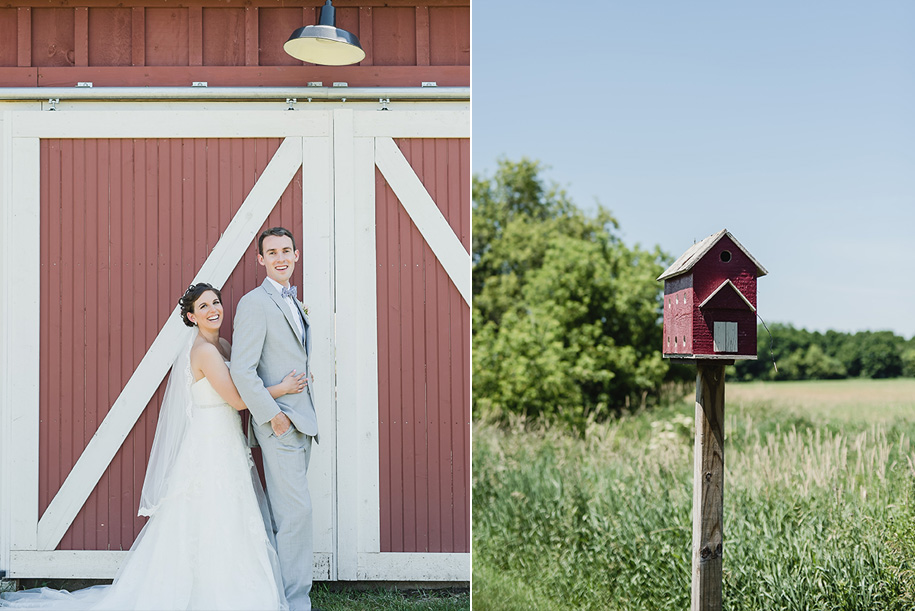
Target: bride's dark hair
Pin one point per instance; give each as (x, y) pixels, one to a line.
(190, 297)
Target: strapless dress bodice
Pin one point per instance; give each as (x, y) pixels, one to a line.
(205, 395)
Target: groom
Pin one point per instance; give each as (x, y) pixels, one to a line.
(272, 337)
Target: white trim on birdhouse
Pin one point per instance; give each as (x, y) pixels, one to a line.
(695, 252)
(736, 290)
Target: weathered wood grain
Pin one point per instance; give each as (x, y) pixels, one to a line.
(708, 487)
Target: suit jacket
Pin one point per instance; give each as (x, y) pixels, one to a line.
(265, 347)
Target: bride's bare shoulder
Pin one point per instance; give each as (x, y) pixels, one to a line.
(204, 353)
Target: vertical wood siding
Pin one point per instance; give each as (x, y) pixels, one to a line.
(423, 362)
(125, 225)
(708, 274)
(135, 42)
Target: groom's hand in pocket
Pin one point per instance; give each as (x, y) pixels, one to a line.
(280, 424)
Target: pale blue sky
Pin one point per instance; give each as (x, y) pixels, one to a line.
(792, 124)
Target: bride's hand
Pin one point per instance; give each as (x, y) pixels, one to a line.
(293, 384)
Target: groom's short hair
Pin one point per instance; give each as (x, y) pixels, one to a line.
(277, 231)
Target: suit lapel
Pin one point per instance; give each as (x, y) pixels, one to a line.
(284, 308)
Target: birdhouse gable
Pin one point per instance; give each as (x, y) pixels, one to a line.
(727, 297)
(697, 251)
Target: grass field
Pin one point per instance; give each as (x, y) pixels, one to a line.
(819, 505)
(331, 596)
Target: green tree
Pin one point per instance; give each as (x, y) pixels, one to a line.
(810, 363)
(881, 354)
(566, 318)
(908, 359)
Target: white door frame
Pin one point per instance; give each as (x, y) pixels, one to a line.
(31, 541)
(362, 141)
(340, 148)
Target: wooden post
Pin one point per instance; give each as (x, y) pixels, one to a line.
(708, 486)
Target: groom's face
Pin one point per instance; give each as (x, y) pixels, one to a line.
(279, 258)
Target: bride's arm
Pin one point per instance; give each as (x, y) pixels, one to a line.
(209, 361)
(292, 384)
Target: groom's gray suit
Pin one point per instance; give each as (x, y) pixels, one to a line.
(266, 346)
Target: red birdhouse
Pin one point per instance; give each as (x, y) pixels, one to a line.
(710, 301)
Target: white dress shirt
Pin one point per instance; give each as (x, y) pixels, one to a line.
(293, 307)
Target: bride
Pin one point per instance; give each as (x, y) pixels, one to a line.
(208, 542)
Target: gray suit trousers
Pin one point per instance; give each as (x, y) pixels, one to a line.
(286, 461)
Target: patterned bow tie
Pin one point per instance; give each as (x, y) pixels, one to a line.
(290, 292)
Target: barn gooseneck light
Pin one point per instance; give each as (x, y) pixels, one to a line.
(325, 43)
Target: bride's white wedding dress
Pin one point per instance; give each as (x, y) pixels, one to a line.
(206, 545)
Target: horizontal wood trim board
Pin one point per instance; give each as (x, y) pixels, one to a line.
(99, 564)
(18, 77)
(413, 124)
(164, 124)
(393, 566)
(235, 76)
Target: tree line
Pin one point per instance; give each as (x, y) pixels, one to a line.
(567, 319)
(799, 354)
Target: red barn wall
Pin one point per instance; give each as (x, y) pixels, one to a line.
(423, 362)
(227, 43)
(125, 225)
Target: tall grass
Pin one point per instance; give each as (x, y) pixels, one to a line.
(819, 514)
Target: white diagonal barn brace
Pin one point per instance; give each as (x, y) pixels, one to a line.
(155, 364)
(427, 217)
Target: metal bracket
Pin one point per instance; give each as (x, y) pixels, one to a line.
(384, 103)
(292, 102)
(53, 102)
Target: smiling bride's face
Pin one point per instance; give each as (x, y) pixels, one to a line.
(207, 313)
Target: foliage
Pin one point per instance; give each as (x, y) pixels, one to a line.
(566, 318)
(811, 355)
(332, 596)
(819, 512)
(339, 597)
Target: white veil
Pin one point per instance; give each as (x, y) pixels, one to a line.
(174, 416)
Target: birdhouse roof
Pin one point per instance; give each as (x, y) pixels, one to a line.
(695, 253)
